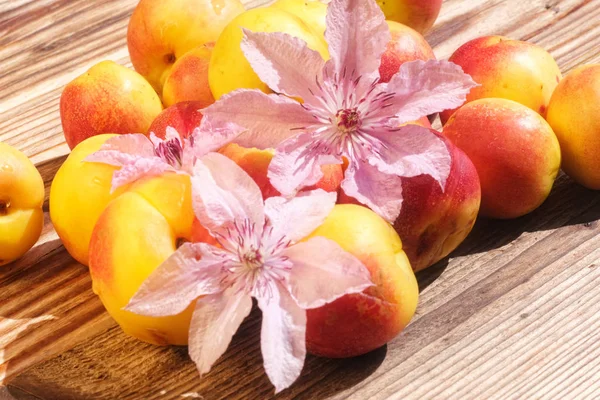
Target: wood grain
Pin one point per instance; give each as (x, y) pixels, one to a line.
(514, 313)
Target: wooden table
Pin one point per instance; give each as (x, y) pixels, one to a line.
(514, 313)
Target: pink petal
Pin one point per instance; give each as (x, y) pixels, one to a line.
(283, 338)
(323, 272)
(214, 322)
(223, 193)
(295, 165)
(412, 150)
(190, 272)
(380, 192)
(298, 217)
(212, 135)
(427, 87)
(268, 119)
(283, 62)
(142, 167)
(123, 149)
(357, 35)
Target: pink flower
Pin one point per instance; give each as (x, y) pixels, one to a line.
(345, 111)
(140, 156)
(261, 255)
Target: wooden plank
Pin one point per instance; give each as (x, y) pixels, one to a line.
(513, 314)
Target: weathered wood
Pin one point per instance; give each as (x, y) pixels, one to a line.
(512, 314)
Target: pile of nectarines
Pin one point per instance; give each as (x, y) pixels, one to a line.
(506, 145)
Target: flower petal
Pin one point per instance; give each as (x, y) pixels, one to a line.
(323, 272)
(212, 135)
(190, 272)
(269, 119)
(426, 87)
(123, 149)
(357, 35)
(380, 192)
(295, 165)
(214, 322)
(297, 217)
(283, 62)
(222, 193)
(412, 150)
(283, 338)
(140, 168)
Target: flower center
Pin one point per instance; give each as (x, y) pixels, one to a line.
(348, 120)
(170, 151)
(253, 259)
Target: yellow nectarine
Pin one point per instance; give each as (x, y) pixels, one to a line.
(21, 200)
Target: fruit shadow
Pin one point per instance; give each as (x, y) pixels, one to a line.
(568, 204)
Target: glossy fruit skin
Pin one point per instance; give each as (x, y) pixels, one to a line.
(229, 69)
(508, 69)
(155, 42)
(405, 45)
(79, 193)
(358, 323)
(108, 98)
(188, 78)
(134, 235)
(21, 200)
(184, 117)
(515, 151)
(574, 114)
(418, 14)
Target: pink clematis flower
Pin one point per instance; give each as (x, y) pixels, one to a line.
(260, 255)
(345, 111)
(140, 156)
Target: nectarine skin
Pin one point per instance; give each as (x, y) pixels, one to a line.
(358, 323)
(184, 117)
(133, 236)
(405, 45)
(21, 199)
(79, 194)
(188, 79)
(514, 150)
(160, 32)
(108, 98)
(508, 69)
(418, 14)
(229, 69)
(574, 114)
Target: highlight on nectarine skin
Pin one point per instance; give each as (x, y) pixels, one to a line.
(515, 151)
(508, 69)
(574, 114)
(420, 15)
(21, 199)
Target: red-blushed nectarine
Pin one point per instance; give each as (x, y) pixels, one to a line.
(188, 78)
(508, 69)
(184, 117)
(108, 98)
(358, 323)
(515, 152)
(405, 45)
(21, 199)
(574, 114)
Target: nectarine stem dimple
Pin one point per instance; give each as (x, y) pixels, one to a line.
(170, 58)
(4, 205)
